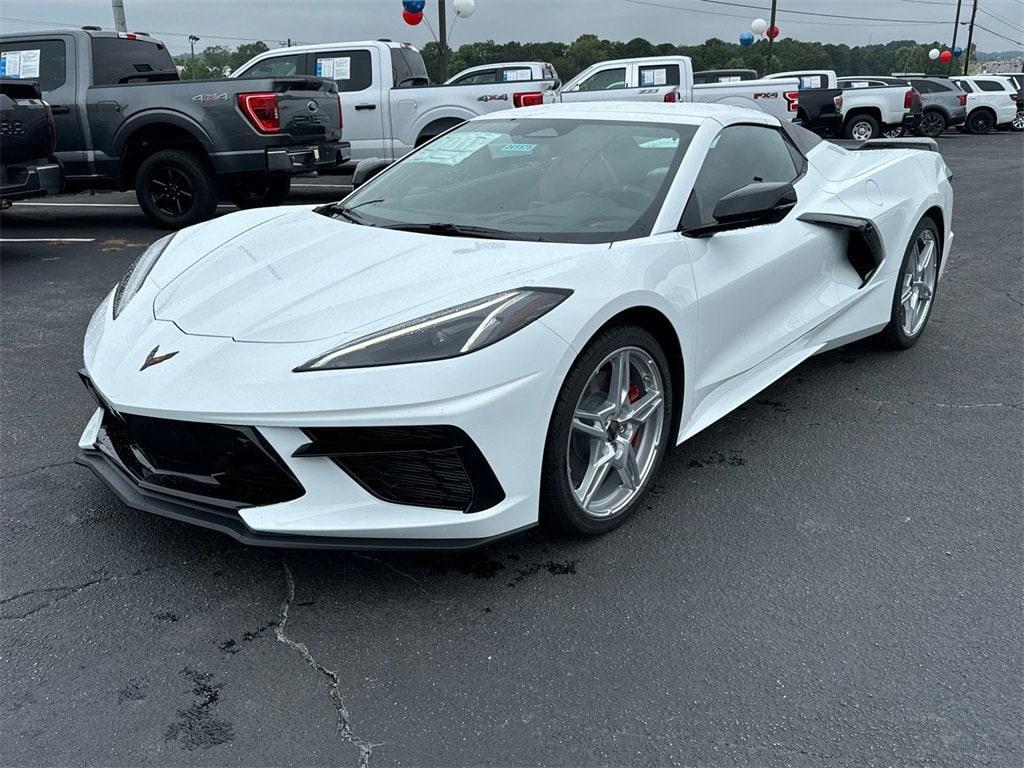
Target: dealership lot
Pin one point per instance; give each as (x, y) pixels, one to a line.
(829, 575)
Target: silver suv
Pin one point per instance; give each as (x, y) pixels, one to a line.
(943, 102)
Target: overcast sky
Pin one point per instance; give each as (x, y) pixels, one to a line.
(675, 21)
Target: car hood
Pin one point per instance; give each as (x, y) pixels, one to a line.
(300, 276)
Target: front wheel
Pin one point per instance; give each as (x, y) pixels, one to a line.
(932, 125)
(861, 128)
(980, 121)
(260, 191)
(176, 189)
(609, 432)
(915, 288)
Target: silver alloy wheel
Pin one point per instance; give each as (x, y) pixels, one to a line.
(862, 130)
(918, 284)
(1018, 122)
(616, 432)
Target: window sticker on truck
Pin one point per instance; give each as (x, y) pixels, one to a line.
(334, 68)
(453, 148)
(22, 65)
(653, 76)
(515, 74)
(810, 81)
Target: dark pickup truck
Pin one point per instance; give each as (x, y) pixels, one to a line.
(125, 119)
(26, 143)
(821, 110)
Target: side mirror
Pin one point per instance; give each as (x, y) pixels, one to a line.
(366, 170)
(753, 205)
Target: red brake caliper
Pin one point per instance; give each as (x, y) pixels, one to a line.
(634, 394)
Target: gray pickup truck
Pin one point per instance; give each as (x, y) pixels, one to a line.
(26, 144)
(125, 119)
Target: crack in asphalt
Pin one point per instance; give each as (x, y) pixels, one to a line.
(344, 719)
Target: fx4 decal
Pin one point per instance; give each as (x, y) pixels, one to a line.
(765, 96)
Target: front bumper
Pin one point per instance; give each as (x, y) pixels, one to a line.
(500, 398)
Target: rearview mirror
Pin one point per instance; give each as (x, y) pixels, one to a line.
(763, 202)
(366, 170)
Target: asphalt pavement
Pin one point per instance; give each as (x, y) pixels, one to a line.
(832, 575)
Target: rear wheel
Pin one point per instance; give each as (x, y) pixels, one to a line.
(176, 189)
(980, 121)
(915, 287)
(608, 433)
(861, 128)
(932, 124)
(1018, 122)
(260, 191)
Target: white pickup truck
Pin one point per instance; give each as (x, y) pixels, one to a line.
(388, 104)
(868, 110)
(670, 78)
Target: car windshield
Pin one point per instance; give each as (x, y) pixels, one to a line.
(561, 180)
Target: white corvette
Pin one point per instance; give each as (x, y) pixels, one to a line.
(511, 325)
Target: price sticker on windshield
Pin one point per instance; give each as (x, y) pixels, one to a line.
(454, 148)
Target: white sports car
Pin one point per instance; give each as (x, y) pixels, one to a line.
(511, 325)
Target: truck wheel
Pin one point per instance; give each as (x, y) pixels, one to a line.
(980, 121)
(260, 192)
(175, 189)
(932, 124)
(861, 128)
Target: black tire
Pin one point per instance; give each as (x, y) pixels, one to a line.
(932, 125)
(176, 189)
(559, 507)
(894, 335)
(980, 122)
(862, 128)
(260, 191)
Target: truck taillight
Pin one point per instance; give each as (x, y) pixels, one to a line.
(908, 98)
(261, 110)
(838, 101)
(963, 99)
(672, 96)
(792, 100)
(528, 99)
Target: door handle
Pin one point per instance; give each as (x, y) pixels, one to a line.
(60, 110)
(361, 107)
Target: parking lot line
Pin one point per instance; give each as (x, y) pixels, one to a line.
(47, 239)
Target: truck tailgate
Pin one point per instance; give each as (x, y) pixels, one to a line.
(309, 108)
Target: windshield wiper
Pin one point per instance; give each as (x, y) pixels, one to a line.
(346, 211)
(460, 230)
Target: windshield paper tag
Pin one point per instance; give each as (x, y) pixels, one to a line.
(453, 149)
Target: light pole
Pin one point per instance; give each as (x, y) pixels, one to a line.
(442, 41)
(956, 28)
(192, 40)
(119, 23)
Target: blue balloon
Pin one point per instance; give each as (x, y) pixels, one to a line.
(414, 6)
(747, 38)
(958, 51)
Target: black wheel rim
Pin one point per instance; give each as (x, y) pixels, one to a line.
(932, 124)
(982, 123)
(253, 190)
(171, 191)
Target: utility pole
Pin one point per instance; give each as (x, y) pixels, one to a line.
(970, 37)
(956, 28)
(192, 40)
(771, 37)
(119, 23)
(442, 33)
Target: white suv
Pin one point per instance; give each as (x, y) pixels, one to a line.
(991, 102)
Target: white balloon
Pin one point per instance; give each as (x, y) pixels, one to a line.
(758, 26)
(463, 8)
(933, 54)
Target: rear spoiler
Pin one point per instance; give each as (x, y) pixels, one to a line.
(928, 145)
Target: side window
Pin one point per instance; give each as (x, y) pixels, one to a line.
(739, 155)
(351, 70)
(989, 85)
(279, 66)
(605, 80)
(667, 74)
(44, 61)
(965, 86)
(483, 77)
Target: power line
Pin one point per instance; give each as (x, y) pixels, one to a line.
(1004, 37)
(1003, 19)
(788, 11)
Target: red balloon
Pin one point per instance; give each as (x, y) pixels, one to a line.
(412, 19)
(772, 32)
(945, 57)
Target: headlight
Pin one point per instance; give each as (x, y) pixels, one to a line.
(453, 332)
(137, 273)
